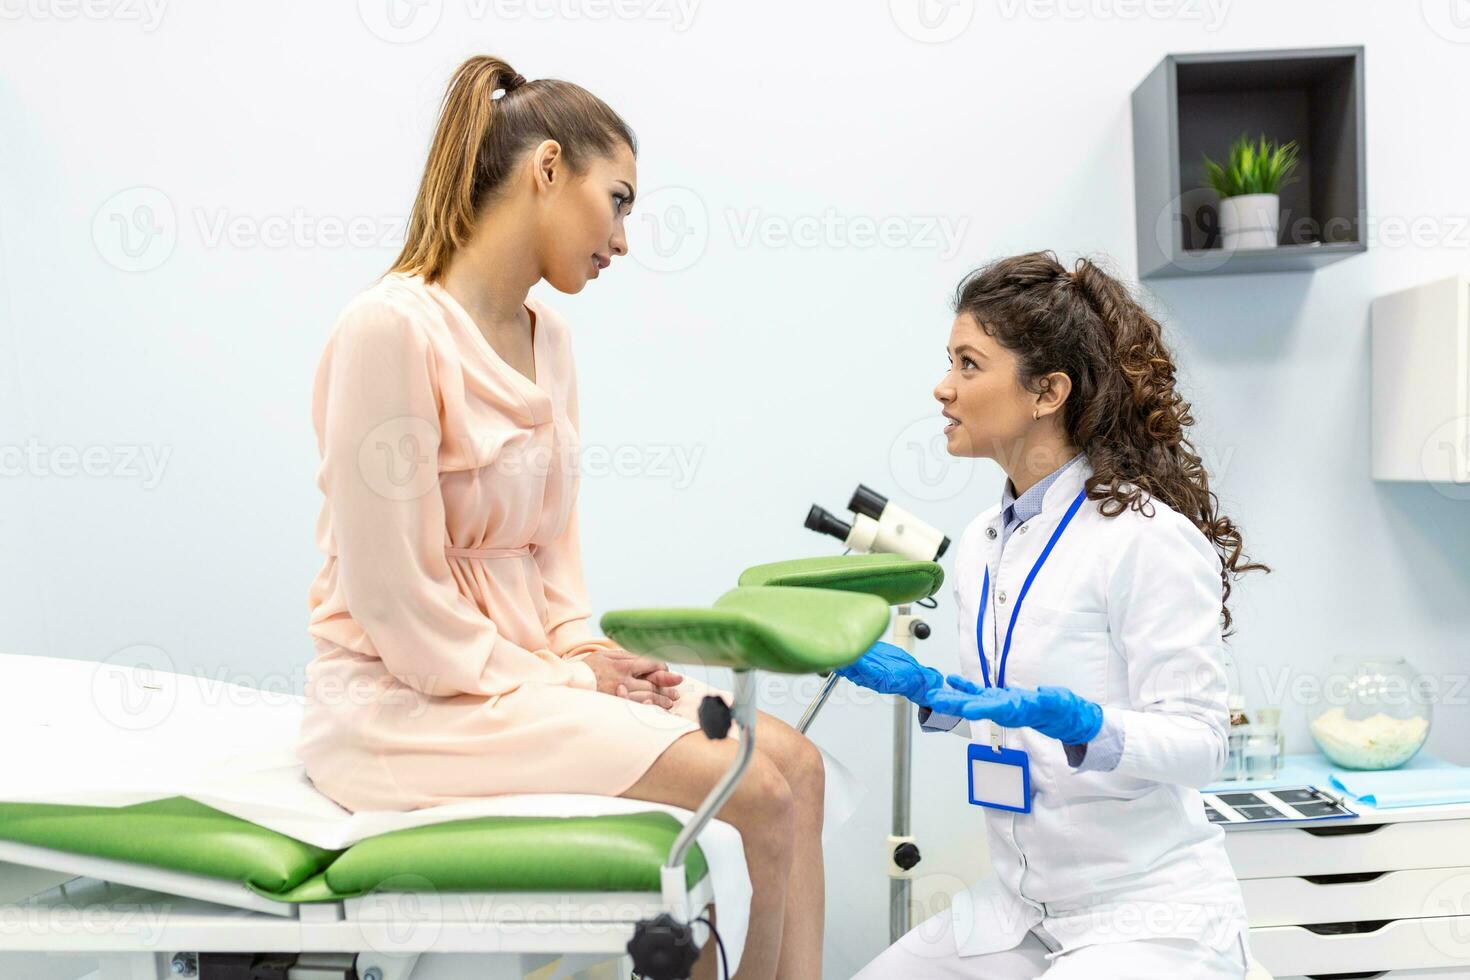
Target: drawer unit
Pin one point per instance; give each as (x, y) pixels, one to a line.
(1441, 943)
(1386, 897)
(1349, 847)
(1358, 897)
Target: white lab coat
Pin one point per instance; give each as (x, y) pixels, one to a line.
(1126, 613)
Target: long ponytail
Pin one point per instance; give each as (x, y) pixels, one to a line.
(479, 137)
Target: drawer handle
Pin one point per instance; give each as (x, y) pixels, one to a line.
(1348, 928)
(1347, 976)
(1344, 831)
(1344, 879)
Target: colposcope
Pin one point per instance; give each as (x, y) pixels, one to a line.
(879, 526)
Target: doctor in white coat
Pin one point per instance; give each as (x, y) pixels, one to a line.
(1092, 607)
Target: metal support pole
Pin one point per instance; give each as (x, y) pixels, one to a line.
(810, 714)
(898, 887)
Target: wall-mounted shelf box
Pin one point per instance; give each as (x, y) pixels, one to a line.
(1421, 383)
(1196, 104)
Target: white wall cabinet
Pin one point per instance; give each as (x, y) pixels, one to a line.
(1421, 383)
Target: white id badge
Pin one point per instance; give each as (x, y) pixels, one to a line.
(999, 778)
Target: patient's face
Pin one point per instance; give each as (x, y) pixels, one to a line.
(990, 408)
(582, 218)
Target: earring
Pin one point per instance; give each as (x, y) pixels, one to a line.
(1035, 415)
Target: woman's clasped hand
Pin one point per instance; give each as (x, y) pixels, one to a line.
(635, 677)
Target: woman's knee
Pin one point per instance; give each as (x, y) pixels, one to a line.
(763, 803)
(800, 761)
(808, 769)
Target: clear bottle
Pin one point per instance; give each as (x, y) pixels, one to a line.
(1238, 734)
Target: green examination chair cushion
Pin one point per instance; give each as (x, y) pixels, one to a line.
(788, 629)
(609, 853)
(897, 580)
(178, 834)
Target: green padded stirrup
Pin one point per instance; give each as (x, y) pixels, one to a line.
(896, 580)
(786, 629)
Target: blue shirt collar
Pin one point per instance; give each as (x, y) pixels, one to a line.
(1029, 504)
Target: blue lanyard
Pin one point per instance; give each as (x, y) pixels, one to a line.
(1000, 679)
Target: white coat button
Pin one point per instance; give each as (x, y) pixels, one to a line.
(1023, 528)
(1000, 597)
(990, 533)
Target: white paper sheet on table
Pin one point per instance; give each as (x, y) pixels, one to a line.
(98, 734)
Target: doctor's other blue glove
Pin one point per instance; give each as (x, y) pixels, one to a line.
(888, 669)
(1052, 711)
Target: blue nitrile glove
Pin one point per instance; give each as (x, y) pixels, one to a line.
(1052, 711)
(888, 669)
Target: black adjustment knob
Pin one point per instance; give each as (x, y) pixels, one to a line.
(663, 948)
(921, 629)
(714, 716)
(906, 855)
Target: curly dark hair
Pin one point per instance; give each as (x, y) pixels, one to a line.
(1123, 412)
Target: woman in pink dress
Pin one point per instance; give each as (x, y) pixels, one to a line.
(450, 618)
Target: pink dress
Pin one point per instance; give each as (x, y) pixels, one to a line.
(450, 614)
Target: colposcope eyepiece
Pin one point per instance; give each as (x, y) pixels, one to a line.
(880, 527)
(823, 521)
(868, 502)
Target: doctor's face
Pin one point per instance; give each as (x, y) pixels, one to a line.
(987, 411)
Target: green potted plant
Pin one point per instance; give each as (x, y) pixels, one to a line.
(1249, 185)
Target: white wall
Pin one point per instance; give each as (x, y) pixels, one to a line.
(792, 371)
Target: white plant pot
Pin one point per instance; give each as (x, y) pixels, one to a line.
(1250, 221)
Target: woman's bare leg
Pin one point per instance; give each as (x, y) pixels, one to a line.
(801, 763)
(761, 808)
